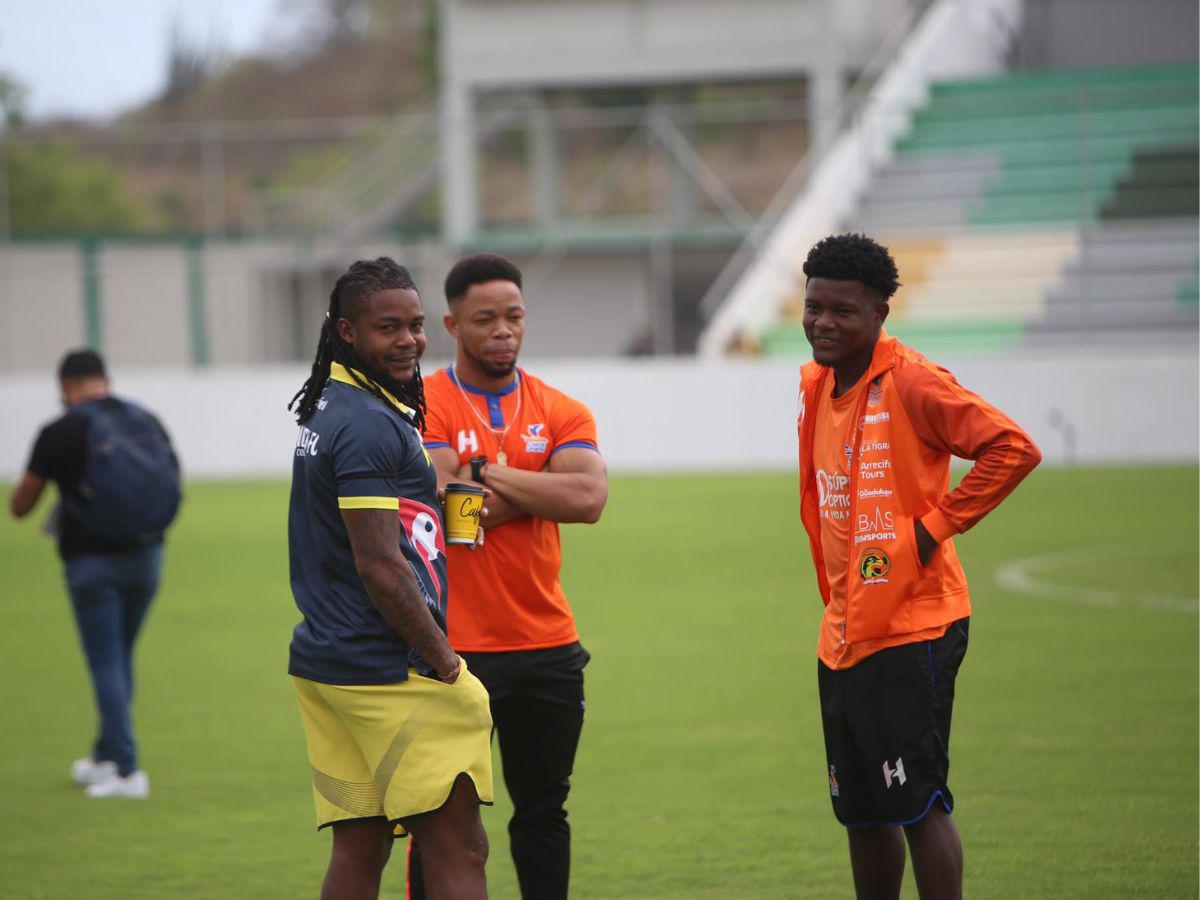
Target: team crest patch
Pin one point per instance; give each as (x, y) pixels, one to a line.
(421, 527)
(873, 566)
(535, 441)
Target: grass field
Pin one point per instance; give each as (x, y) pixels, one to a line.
(701, 770)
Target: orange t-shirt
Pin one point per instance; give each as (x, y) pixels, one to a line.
(833, 455)
(506, 595)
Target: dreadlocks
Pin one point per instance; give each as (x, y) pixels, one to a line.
(347, 299)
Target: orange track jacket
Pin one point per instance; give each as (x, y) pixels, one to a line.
(913, 417)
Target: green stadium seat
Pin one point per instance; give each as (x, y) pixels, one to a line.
(1088, 177)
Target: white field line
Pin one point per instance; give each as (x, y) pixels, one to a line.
(1022, 576)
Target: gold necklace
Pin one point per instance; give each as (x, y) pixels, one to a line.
(501, 456)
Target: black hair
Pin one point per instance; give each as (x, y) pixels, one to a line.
(478, 269)
(85, 363)
(346, 301)
(854, 257)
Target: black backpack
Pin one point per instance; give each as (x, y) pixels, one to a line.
(130, 485)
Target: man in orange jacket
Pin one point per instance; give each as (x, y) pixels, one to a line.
(878, 424)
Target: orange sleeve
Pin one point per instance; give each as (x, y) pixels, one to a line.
(572, 425)
(948, 417)
(437, 418)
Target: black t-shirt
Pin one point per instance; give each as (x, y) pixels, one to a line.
(59, 456)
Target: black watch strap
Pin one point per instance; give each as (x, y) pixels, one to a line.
(477, 464)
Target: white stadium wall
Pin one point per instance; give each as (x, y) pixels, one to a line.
(672, 415)
(586, 302)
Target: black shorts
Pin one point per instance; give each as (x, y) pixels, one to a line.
(887, 730)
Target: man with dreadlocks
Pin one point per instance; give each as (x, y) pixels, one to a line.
(534, 447)
(878, 424)
(398, 730)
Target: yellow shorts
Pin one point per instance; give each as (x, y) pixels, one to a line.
(394, 750)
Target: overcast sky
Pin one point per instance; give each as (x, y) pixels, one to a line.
(91, 58)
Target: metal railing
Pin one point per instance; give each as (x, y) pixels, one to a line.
(359, 175)
(850, 106)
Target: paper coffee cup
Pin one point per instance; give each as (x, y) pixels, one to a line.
(463, 508)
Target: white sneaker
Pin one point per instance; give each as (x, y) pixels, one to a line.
(135, 785)
(89, 771)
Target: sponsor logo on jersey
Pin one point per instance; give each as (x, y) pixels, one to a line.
(535, 441)
(875, 527)
(876, 418)
(833, 495)
(875, 469)
(873, 536)
(873, 566)
(306, 442)
(422, 528)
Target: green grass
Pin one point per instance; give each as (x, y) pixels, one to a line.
(701, 770)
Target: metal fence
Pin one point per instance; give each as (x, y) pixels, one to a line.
(540, 164)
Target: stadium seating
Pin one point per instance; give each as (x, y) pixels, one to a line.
(1039, 206)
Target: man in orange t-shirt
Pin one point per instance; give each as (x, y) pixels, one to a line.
(492, 423)
(878, 425)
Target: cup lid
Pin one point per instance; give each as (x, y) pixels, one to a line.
(458, 487)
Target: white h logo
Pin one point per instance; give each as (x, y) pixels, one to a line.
(467, 439)
(896, 773)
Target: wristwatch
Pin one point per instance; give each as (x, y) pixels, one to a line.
(477, 464)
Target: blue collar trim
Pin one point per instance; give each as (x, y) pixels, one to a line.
(503, 392)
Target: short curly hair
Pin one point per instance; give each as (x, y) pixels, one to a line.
(479, 269)
(854, 257)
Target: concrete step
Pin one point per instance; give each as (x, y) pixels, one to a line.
(964, 184)
(1164, 228)
(1161, 295)
(1049, 336)
(877, 217)
(1082, 317)
(1130, 262)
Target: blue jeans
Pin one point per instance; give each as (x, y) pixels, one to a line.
(110, 593)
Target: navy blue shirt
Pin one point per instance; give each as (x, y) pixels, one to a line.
(356, 452)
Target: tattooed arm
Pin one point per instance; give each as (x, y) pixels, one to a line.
(375, 539)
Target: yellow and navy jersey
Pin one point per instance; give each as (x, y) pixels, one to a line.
(357, 452)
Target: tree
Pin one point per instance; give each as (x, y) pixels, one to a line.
(53, 188)
(188, 65)
(342, 23)
(12, 103)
